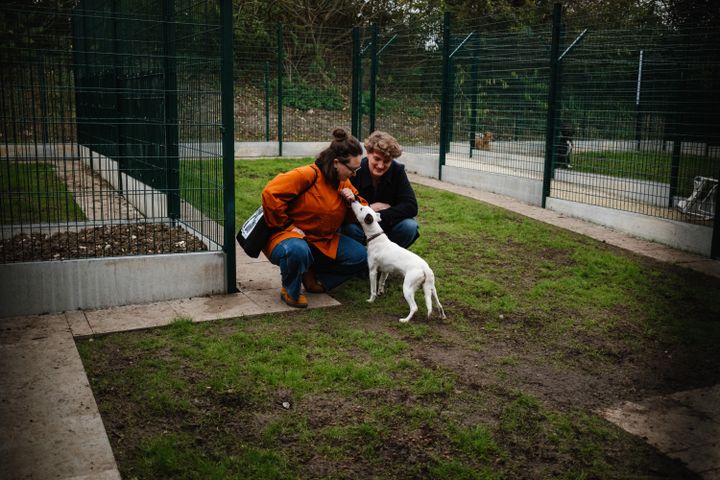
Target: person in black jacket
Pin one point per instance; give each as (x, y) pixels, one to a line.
(382, 181)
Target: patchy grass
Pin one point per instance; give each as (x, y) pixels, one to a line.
(545, 327)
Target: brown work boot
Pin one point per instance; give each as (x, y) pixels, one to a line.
(301, 301)
(311, 283)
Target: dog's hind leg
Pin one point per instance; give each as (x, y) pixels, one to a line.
(413, 280)
(437, 300)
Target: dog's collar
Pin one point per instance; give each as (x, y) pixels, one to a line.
(373, 237)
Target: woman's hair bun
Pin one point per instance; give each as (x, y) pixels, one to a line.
(339, 134)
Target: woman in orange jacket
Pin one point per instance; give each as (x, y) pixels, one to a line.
(307, 206)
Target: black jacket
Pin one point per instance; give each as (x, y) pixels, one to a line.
(394, 189)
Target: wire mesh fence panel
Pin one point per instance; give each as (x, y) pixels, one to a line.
(313, 86)
(638, 120)
(408, 87)
(500, 92)
(110, 129)
(316, 82)
(199, 111)
(256, 85)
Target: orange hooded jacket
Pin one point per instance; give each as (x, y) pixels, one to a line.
(319, 212)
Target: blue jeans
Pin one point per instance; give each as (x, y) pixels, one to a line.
(295, 256)
(404, 233)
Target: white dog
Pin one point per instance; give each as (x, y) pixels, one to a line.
(384, 256)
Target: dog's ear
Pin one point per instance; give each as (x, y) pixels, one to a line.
(368, 219)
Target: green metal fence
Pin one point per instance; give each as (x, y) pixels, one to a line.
(130, 91)
(497, 99)
(294, 93)
(401, 85)
(626, 120)
(642, 110)
(112, 130)
(621, 119)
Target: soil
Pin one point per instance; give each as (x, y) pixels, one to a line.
(105, 241)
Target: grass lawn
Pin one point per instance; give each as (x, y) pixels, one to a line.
(201, 186)
(544, 328)
(650, 166)
(32, 192)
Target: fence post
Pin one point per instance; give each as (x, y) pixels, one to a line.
(267, 101)
(678, 134)
(228, 144)
(638, 111)
(119, 138)
(373, 76)
(360, 90)
(445, 98)
(280, 88)
(172, 157)
(715, 243)
(552, 93)
(355, 94)
(474, 74)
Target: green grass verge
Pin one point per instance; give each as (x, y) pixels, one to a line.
(32, 192)
(650, 166)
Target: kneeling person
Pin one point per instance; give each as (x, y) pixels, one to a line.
(307, 206)
(382, 181)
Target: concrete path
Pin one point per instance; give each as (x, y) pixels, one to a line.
(50, 426)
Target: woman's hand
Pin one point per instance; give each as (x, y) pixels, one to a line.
(348, 195)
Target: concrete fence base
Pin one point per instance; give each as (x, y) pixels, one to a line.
(30, 288)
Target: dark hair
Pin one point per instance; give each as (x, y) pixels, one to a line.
(343, 147)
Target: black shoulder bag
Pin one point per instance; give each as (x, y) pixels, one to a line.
(254, 234)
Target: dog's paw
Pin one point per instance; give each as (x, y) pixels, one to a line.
(404, 320)
(371, 300)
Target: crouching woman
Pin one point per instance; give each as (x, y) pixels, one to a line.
(307, 206)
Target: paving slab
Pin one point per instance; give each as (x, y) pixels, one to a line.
(683, 425)
(259, 276)
(78, 323)
(131, 317)
(49, 422)
(217, 307)
(17, 330)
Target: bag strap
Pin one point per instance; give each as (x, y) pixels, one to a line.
(314, 169)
